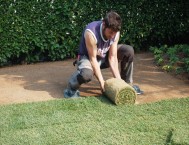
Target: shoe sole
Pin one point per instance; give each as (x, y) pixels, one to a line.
(67, 97)
(140, 93)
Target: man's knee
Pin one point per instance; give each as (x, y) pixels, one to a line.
(125, 51)
(85, 75)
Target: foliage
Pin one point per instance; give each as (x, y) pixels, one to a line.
(33, 31)
(95, 120)
(174, 58)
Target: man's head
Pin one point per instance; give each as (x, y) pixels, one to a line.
(111, 24)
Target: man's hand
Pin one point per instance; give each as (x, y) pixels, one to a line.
(102, 86)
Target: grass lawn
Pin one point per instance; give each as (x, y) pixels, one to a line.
(95, 120)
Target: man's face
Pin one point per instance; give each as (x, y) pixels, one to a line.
(108, 33)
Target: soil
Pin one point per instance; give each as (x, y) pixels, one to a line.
(46, 81)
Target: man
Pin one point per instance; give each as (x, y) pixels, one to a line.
(99, 49)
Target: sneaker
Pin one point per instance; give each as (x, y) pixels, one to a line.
(137, 90)
(71, 94)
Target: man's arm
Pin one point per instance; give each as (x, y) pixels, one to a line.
(92, 51)
(113, 61)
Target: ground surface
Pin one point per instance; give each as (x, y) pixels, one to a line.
(46, 81)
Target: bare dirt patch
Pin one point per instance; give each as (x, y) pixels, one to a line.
(46, 81)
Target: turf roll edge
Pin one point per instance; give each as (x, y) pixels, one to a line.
(118, 91)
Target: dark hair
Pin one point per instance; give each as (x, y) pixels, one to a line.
(112, 20)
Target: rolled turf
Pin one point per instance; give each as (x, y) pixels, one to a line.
(119, 91)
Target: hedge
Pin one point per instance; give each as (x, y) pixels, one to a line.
(49, 30)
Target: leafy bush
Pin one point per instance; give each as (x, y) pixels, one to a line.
(175, 58)
(33, 31)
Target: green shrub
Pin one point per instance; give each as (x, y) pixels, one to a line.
(177, 58)
(33, 31)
